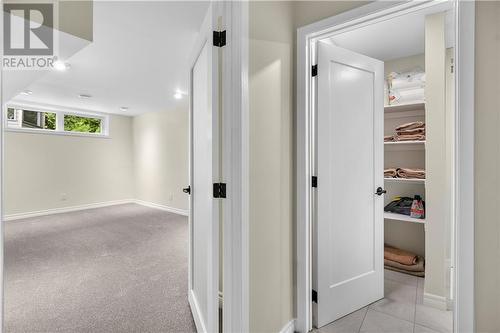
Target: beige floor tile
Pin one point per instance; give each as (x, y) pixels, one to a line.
(377, 322)
(438, 320)
(348, 324)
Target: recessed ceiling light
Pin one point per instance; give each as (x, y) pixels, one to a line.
(26, 92)
(123, 108)
(85, 96)
(60, 65)
(178, 94)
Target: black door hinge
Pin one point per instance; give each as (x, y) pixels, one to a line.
(314, 181)
(219, 38)
(219, 190)
(314, 70)
(315, 296)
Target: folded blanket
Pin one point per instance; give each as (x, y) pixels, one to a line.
(414, 131)
(410, 173)
(409, 126)
(390, 173)
(410, 137)
(419, 274)
(400, 256)
(419, 265)
(389, 138)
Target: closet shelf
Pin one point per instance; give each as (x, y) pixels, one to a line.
(405, 107)
(406, 180)
(401, 217)
(405, 145)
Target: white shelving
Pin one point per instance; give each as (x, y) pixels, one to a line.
(401, 217)
(401, 143)
(420, 105)
(405, 180)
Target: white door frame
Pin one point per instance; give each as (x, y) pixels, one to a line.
(233, 97)
(464, 148)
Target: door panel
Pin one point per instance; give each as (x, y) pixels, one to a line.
(204, 165)
(350, 168)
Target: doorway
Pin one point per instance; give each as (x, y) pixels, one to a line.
(343, 218)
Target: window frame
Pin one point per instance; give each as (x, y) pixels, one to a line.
(60, 113)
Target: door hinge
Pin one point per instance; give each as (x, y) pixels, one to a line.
(219, 190)
(219, 38)
(314, 181)
(315, 296)
(314, 70)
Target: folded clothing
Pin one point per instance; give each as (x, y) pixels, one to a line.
(412, 137)
(411, 126)
(414, 131)
(389, 138)
(418, 266)
(390, 173)
(410, 79)
(400, 256)
(410, 173)
(388, 265)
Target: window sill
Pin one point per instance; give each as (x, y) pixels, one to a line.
(50, 132)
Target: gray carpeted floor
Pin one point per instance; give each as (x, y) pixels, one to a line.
(114, 269)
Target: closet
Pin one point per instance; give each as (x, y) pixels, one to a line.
(403, 231)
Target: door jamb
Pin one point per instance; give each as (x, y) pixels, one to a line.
(464, 150)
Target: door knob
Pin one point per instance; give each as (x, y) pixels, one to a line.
(380, 191)
(187, 190)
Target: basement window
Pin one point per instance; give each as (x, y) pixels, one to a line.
(56, 122)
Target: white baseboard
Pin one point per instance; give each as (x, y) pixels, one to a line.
(162, 207)
(434, 301)
(195, 310)
(19, 216)
(289, 327)
(12, 217)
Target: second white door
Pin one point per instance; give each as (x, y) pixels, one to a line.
(350, 226)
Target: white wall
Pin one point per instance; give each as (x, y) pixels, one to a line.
(161, 157)
(47, 171)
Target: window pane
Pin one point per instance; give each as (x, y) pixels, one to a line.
(81, 124)
(40, 120)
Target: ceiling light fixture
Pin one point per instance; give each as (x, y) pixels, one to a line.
(178, 94)
(123, 108)
(60, 65)
(85, 96)
(26, 92)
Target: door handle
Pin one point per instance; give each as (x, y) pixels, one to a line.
(187, 190)
(380, 191)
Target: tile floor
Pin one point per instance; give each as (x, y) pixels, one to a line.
(401, 311)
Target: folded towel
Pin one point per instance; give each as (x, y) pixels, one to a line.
(390, 173)
(419, 274)
(409, 126)
(400, 256)
(410, 137)
(389, 138)
(419, 265)
(411, 131)
(410, 173)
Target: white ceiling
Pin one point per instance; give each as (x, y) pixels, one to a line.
(394, 38)
(138, 59)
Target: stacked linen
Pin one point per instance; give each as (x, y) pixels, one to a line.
(408, 173)
(403, 261)
(414, 131)
(405, 88)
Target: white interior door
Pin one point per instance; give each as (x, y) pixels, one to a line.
(204, 165)
(350, 226)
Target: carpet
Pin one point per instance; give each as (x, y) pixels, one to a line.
(115, 269)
